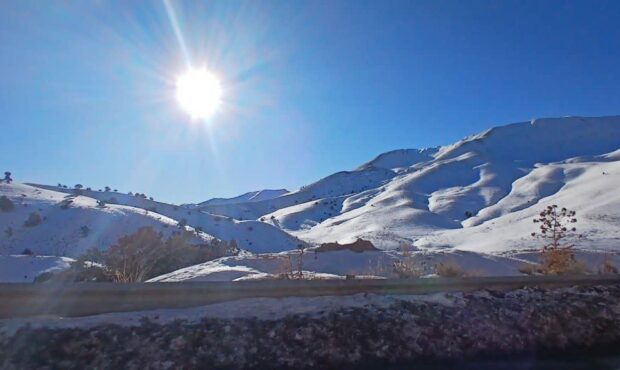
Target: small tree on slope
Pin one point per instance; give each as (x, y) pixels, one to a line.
(556, 230)
(556, 227)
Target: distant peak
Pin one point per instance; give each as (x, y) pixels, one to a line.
(400, 158)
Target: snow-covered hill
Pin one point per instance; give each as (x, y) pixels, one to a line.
(69, 224)
(333, 186)
(473, 200)
(511, 170)
(251, 235)
(24, 269)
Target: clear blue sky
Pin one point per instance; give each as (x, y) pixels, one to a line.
(87, 88)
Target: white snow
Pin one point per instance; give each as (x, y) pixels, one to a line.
(473, 200)
(252, 196)
(24, 269)
(69, 232)
(250, 235)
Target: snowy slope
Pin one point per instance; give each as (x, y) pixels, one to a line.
(24, 269)
(401, 159)
(407, 195)
(471, 203)
(590, 188)
(251, 235)
(335, 185)
(336, 264)
(498, 172)
(70, 231)
(252, 196)
(410, 195)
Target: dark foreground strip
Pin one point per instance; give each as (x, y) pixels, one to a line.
(530, 328)
(80, 299)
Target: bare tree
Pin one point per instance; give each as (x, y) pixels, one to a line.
(557, 231)
(556, 227)
(133, 256)
(300, 262)
(406, 267)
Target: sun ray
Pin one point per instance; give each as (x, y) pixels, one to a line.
(177, 32)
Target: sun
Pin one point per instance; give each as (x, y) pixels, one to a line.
(199, 93)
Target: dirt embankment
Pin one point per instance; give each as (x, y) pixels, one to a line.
(359, 246)
(451, 327)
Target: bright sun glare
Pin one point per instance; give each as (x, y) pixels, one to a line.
(199, 93)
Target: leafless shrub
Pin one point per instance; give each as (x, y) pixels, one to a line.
(449, 269)
(406, 267)
(6, 204)
(529, 269)
(608, 267)
(379, 267)
(285, 269)
(561, 261)
(146, 254)
(133, 257)
(33, 220)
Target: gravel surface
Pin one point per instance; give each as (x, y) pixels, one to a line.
(527, 323)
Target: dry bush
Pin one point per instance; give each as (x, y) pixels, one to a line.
(178, 252)
(529, 269)
(144, 255)
(6, 204)
(406, 267)
(449, 269)
(284, 269)
(561, 262)
(33, 220)
(133, 257)
(608, 267)
(377, 267)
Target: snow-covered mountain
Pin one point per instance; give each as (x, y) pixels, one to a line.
(473, 184)
(471, 202)
(477, 196)
(251, 196)
(418, 195)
